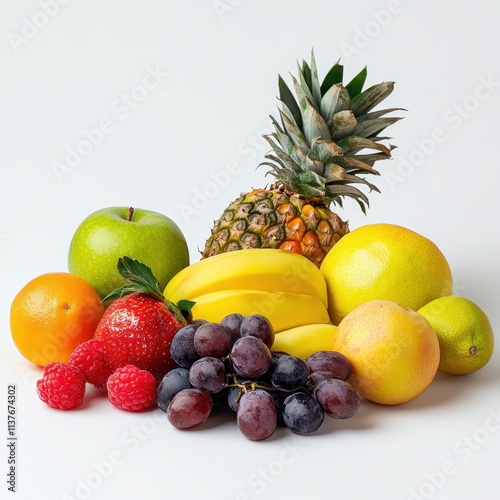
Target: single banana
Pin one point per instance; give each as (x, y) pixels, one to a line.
(284, 310)
(265, 269)
(302, 341)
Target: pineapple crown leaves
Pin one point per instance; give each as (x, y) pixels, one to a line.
(327, 136)
(141, 279)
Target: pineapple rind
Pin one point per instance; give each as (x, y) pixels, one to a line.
(277, 219)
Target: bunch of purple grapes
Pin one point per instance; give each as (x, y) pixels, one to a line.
(232, 361)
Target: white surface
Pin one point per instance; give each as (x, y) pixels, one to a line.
(216, 67)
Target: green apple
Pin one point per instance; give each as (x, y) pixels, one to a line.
(114, 232)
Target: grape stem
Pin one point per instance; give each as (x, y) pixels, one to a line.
(246, 387)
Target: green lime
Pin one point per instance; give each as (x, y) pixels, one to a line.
(466, 339)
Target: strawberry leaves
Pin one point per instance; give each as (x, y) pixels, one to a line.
(141, 279)
(139, 275)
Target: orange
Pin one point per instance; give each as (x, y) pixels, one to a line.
(384, 262)
(52, 314)
(393, 350)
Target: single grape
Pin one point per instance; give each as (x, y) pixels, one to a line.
(199, 321)
(212, 339)
(256, 416)
(317, 377)
(279, 398)
(219, 397)
(189, 408)
(337, 398)
(289, 373)
(208, 374)
(332, 364)
(182, 347)
(250, 357)
(278, 354)
(258, 326)
(236, 391)
(302, 414)
(233, 324)
(233, 397)
(172, 382)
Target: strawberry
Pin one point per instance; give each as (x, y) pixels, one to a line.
(137, 327)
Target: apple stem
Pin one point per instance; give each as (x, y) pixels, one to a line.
(130, 213)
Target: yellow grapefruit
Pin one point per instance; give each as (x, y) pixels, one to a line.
(386, 262)
(393, 350)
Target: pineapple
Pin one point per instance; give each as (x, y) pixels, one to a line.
(325, 143)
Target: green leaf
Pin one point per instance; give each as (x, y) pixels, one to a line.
(182, 309)
(382, 112)
(315, 86)
(333, 172)
(311, 184)
(285, 160)
(336, 99)
(279, 140)
(333, 77)
(336, 191)
(277, 163)
(293, 132)
(372, 127)
(354, 179)
(139, 274)
(369, 98)
(371, 158)
(276, 125)
(287, 98)
(314, 125)
(353, 143)
(309, 164)
(353, 164)
(141, 279)
(185, 305)
(325, 151)
(355, 86)
(121, 292)
(305, 76)
(342, 124)
(302, 92)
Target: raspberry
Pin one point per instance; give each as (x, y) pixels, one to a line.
(92, 361)
(132, 389)
(62, 386)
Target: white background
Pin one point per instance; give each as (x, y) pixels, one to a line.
(217, 63)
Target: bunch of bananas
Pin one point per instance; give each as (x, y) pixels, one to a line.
(284, 286)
